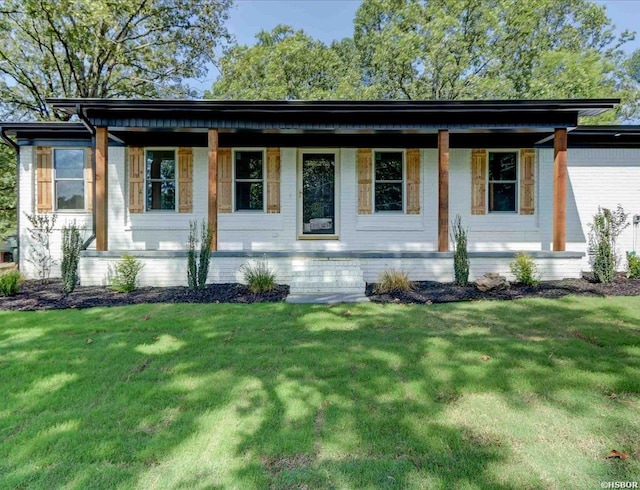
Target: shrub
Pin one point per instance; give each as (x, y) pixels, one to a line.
(198, 270)
(259, 276)
(39, 252)
(634, 265)
(606, 228)
(124, 276)
(391, 281)
(460, 254)
(10, 283)
(71, 246)
(525, 269)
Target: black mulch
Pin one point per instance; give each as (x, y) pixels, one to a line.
(437, 292)
(37, 296)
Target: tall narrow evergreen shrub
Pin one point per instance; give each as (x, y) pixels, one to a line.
(71, 246)
(460, 254)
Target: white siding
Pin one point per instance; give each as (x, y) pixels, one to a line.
(603, 177)
(27, 196)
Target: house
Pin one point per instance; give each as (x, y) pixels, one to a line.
(330, 193)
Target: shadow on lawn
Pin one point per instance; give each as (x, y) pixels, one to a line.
(310, 397)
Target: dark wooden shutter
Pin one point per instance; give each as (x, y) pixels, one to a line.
(273, 180)
(527, 180)
(44, 176)
(185, 180)
(136, 179)
(413, 181)
(365, 171)
(478, 181)
(225, 180)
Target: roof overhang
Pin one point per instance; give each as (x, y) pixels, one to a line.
(336, 116)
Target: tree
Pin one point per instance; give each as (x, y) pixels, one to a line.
(7, 191)
(286, 64)
(464, 49)
(102, 48)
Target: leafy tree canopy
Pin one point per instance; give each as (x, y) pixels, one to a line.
(102, 48)
(443, 49)
(286, 64)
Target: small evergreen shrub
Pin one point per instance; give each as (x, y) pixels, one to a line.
(71, 246)
(10, 283)
(198, 263)
(259, 276)
(124, 276)
(634, 265)
(606, 228)
(525, 269)
(460, 254)
(391, 281)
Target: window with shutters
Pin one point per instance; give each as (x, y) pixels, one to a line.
(160, 176)
(249, 173)
(388, 188)
(502, 180)
(69, 179)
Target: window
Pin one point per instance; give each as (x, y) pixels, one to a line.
(161, 180)
(503, 181)
(249, 178)
(388, 188)
(69, 178)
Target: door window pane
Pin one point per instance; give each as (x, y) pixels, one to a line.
(318, 194)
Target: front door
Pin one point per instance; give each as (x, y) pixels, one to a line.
(318, 203)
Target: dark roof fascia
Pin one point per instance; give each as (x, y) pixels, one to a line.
(583, 107)
(48, 133)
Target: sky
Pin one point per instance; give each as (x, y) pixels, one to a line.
(328, 20)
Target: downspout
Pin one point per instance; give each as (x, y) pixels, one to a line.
(92, 130)
(16, 147)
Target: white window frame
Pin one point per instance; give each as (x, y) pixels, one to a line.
(516, 182)
(55, 179)
(263, 150)
(374, 181)
(175, 179)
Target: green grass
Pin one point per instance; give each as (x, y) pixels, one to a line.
(298, 396)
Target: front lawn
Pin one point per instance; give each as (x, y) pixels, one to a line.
(524, 394)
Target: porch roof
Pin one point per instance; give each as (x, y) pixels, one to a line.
(336, 116)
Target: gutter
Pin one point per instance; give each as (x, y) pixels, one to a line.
(16, 147)
(91, 128)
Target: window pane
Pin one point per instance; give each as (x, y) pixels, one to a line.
(249, 196)
(248, 165)
(161, 165)
(388, 165)
(389, 197)
(69, 164)
(161, 195)
(502, 166)
(502, 197)
(69, 194)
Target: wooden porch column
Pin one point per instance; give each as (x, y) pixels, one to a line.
(560, 189)
(102, 192)
(443, 190)
(213, 186)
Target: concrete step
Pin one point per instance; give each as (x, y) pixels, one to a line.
(326, 277)
(327, 299)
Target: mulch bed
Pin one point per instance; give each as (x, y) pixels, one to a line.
(437, 292)
(37, 296)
